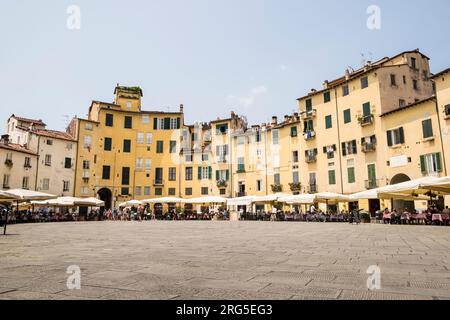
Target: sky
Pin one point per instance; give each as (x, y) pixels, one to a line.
(254, 57)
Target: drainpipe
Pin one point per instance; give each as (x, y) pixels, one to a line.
(37, 164)
(76, 159)
(339, 141)
(441, 138)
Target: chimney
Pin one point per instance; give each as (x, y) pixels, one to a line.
(313, 90)
(325, 84)
(274, 120)
(347, 74)
(296, 116)
(5, 139)
(286, 118)
(181, 108)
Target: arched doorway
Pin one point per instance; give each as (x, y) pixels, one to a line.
(106, 195)
(401, 204)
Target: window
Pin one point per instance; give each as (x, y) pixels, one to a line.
(25, 182)
(84, 190)
(275, 137)
(129, 105)
(372, 175)
(88, 126)
(308, 126)
(447, 110)
(222, 152)
(125, 175)
(27, 163)
(189, 157)
(347, 116)
(148, 164)
(188, 191)
(222, 191)
(140, 138)
(393, 80)
(66, 186)
(345, 91)
(145, 119)
(364, 82)
(326, 97)
(295, 177)
(174, 123)
(415, 85)
(331, 177)
(204, 173)
(330, 150)
(258, 136)
(87, 142)
(158, 191)
(146, 191)
(173, 147)
(125, 191)
(294, 132)
(222, 175)
(295, 156)
(351, 175)
(85, 164)
(68, 163)
(395, 137)
(48, 160)
(240, 140)
(328, 122)
(149, 138)
(108, 144)
(128, 123)
(431, 163)
(401, 103)
(404, 79)
(46, 184)
(427, 128)
(172, 174)
(139, 163)
(49, 142)
(106, 173)
(241, 164)
(138, 191)
(172, 191)
(188, 173)
(109, 120)
(159, 146)
(367, 112)
(258, 185)
(205, 191)
(276, 179)
(349, 148)
(126, 145)
(6, 181)
(221, 129)
(414, 63)
(308, 105)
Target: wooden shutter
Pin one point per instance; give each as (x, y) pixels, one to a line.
(209, 173)
(423, 165)
(439, 162)
(217, 175)
(389, 138)
(227, 175)
(199, 173)
(166, 123)
(354, 148)
(344, 150)
(402, 135)
(178, 123)
(155, 123)
(366, 109)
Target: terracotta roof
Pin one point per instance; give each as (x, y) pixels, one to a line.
(39, 121)
(409, 106)
(440, 73)
(54, 134)
(16, 147)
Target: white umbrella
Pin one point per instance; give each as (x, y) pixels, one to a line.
(299, 199)
(211, 199)
(164, 200)
(4, 196)
(58, 202)
(416, 187)
(373, 194)
(240, 201)
(270, 197)
(91, 202)
(132, 203)
(23, 194)
(331, 197)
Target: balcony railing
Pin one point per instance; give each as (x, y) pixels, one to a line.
(309, 135)
(312, 158)
(312, 188)
(308, 115)
(241, 194)
(6, 186)
(372, 184)
(295, 186)
(158, 182)
(366, 120)
(277, 188)
(368, 147)
(222, 183)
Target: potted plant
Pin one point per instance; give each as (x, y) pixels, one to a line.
(296, 186)
(365, 217)
(8, 163)
(277, 188)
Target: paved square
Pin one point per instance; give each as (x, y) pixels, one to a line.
(224, 260)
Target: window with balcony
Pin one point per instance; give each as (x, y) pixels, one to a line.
(368, 144)
(349, 148)
(311, 156)
(367, 116)
(308, 130)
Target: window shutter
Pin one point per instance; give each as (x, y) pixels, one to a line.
(423, 166)
(199, 176)
(227, 175)
(354, 148)
(166, 123)
(373, 139)
(178, 123)
(334, 147)
(427, 128)
(217, 175)
(439, 162)
(315, 151)
(363, 140)
(402, 135)
(324, 149)
(155, 123)
(209, 173)
(344, 150)
(389, 138)
(366, 109)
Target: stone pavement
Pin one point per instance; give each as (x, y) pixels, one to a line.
(224, 260)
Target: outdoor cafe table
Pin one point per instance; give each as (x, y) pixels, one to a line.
(419, 217)
(440, 217)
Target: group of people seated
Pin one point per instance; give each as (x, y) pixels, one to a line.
(408, 216)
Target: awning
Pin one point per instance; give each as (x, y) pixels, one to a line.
(23, 194)
(164, 200)
(206, 200)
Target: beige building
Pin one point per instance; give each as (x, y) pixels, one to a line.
(17, 165)
(55, 172)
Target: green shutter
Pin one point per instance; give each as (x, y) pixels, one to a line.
(227, 175)
(178, 123)
(351, 175)
(366, 109)
(199, 173)
(347, 116)
(389, 138)
(217, 175)
(344, 149)
(155, 123)
(328, 122)
(427, 128)
(209, 173)
(439, 162)
(402, 135)
(423, 165)
(308, 105)
(166, 123)
(331, 177)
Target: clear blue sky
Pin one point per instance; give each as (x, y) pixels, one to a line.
(251, 56)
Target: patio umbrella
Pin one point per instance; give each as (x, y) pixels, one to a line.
(422, 186)
(91, 202)
(205, 200)
(299, 199)
(240, 201)
(270, 198)
(164, 200)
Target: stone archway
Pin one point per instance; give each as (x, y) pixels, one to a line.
(106, 195)
(401, 204)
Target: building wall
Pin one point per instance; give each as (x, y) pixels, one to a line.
(18, 170)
